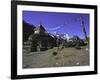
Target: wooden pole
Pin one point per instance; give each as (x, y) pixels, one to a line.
(83, 27)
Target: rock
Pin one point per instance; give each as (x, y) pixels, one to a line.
(54, 53)
(77, 63)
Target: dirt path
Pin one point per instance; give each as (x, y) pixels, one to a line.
(65, 57)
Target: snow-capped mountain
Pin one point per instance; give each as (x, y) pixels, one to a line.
(59, 35)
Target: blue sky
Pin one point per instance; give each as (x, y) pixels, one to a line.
(59, 22)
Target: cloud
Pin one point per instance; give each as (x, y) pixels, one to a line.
(55, 28)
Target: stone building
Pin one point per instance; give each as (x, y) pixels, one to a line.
(40, 40)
